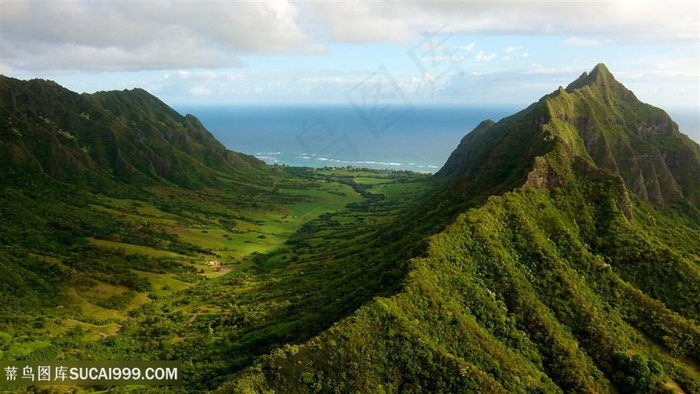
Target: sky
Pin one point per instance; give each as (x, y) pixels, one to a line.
(331, 52)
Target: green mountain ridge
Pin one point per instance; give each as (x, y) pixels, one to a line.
(105, 137)
(595, 122)
(558, 273)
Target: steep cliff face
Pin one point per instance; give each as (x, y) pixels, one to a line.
(595, 120)
(127, 136)
(637, 141)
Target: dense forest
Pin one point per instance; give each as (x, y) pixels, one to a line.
(558, 250)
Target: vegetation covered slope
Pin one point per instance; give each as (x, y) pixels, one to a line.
(595, 119)
(563, 276)
(84, 178)
(111, 206)
(106, 137)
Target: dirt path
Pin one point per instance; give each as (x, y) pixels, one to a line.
(196, 314)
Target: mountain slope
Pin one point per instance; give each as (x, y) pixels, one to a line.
(127, 136)
(111, 206)
(503, 303)
(575, 269)
(595, 121)
(96, 190)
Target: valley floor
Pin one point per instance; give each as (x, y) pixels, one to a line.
(210, 278)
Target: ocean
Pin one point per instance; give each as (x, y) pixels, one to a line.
(397, 137)
(417, 138)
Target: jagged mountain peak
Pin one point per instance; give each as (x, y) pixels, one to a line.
(599, 73)
(595, 123)
(600, 77)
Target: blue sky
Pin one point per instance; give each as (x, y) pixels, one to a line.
(286, 52)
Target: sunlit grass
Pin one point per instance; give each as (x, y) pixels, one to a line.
(131, 248)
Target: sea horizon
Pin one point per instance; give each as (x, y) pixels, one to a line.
(395, 136)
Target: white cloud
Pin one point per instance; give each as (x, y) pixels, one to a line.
(249, 86)
(253, 86)
(557, 71)
(424, 86)
(171, 34)
(482, 56)
(578, 41)
(671, 80)
(200, 90)
(357, 23)
(206, 39)
(115, 36)
(454, 59)
(665, 81)
(360, 22)
(498, 87)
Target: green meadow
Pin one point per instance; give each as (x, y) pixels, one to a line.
(152, 252)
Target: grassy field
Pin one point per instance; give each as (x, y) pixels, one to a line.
(133, 249)
(158, 249)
